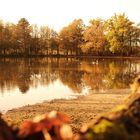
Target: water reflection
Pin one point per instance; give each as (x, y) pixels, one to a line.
(28, 81)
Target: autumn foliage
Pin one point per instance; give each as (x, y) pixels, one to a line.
(114, 36)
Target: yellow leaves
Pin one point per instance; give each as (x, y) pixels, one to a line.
(118, 30)
(102, 126)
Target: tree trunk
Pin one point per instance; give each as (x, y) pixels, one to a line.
(57, 50)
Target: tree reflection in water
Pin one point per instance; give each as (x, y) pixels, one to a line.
(74, 73)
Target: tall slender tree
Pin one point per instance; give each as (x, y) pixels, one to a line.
(23, 32)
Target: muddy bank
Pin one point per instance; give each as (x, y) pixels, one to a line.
(81, 110)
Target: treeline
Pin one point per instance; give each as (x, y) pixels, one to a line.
(115, 36)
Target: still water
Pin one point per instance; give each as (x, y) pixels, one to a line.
(30, 81)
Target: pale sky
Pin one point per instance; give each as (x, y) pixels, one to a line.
(59, 13)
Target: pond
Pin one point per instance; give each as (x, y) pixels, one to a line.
(35, 80)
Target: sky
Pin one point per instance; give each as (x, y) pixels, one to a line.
(59, 13)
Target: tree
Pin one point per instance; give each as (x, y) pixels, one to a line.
(1, 35)
(76, 33)
(48, 41)
(23, 30)
(118, 33)
(64, 41)
(53, 42)
(34, 42)
(71, 37)
(94, 38)
(135, 39)
(44, 39)
(6, 38)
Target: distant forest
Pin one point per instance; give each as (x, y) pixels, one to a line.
(117, 36)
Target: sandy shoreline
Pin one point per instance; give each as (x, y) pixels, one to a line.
(81, 110)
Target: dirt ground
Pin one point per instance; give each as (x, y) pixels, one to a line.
(82, 110)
